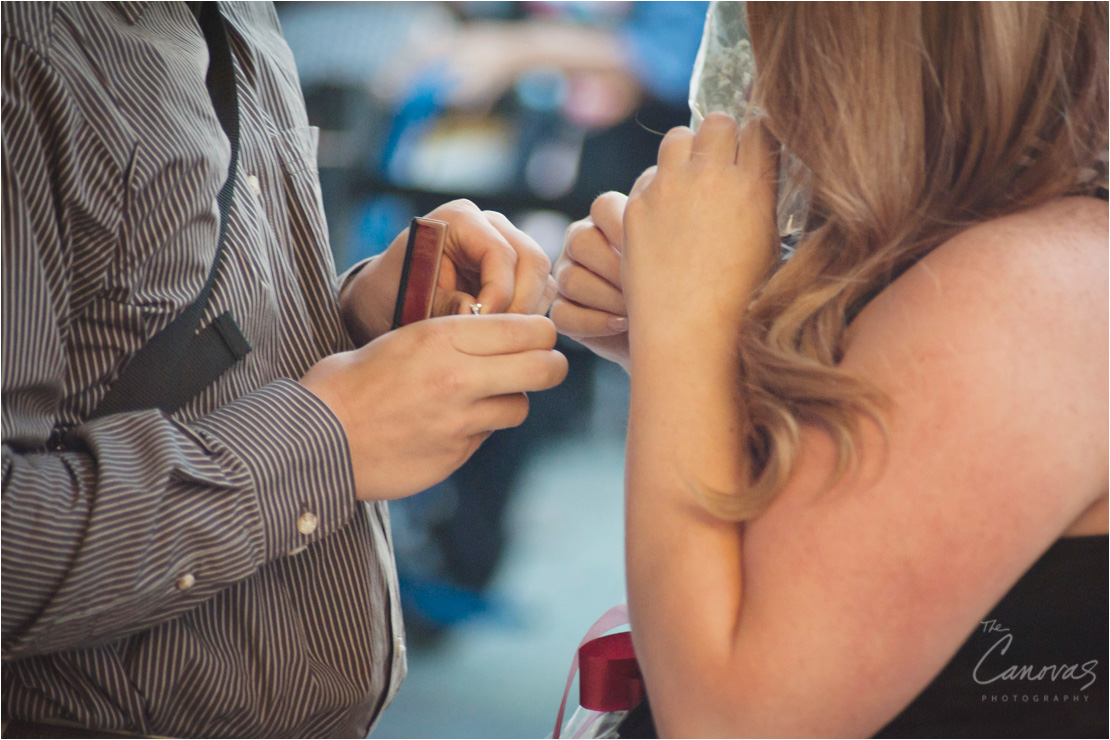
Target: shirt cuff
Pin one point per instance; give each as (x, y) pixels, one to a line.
(296, 454)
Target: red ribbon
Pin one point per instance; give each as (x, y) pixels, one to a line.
(610, 679)
(615, 617)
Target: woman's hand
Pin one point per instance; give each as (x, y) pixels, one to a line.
(699, 229)
(590, 305)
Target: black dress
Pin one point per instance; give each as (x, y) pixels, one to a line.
(1034, 667)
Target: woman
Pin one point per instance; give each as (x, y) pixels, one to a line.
(867, 488)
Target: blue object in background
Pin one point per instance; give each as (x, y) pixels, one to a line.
(445, 604)
(377, 223)
(418, 113)
(663, 38)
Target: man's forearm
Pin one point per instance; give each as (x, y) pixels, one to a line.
(158, 516)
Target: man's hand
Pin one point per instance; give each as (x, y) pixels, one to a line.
(418, 401)
(486, 260)
(590, 306)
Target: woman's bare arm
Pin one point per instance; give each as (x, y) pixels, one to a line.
(831, 611)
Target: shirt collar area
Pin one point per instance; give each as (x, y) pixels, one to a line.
(131, 10)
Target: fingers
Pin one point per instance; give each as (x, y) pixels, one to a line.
(607, 214)
(716, 140)
(588, 274)
(499, 412)
(588, 247)
(676, 146)
(500, 354)
(587, 288)
(550, 293)
(497, 334)
(642, 182)
(475, 246)
(533, 370)
(579, 322)
(533, 268)
(489, 257)
(758, 150)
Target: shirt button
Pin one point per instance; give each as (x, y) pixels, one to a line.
(186, 582)
(306, 525)
(399, 645)
(255, 186)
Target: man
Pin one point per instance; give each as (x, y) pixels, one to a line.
(211, 571)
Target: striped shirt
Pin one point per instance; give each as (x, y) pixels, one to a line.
(208, 573)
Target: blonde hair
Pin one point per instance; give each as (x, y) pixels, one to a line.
(910, 121)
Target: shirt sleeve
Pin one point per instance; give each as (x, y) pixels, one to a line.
(148, 516)
(353, 270)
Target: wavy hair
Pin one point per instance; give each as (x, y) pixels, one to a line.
(909, 122)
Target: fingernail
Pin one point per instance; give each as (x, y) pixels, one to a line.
(618, 323)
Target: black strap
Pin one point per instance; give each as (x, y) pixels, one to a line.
(179, 362)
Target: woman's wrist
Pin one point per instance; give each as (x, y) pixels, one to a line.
(705, 332)
(711, 305)
(686, 387)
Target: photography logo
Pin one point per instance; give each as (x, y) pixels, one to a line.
(1005, 681)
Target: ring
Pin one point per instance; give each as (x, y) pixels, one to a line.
(476, 308)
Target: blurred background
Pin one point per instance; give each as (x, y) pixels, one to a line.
(532, 109)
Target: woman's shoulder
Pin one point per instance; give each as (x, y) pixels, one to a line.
(1028, 274)
(992, 354)
(1062, 240)
(1008, 314)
